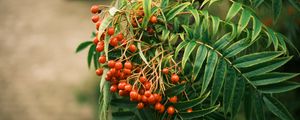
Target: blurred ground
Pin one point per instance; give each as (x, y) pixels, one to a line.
(39, 70)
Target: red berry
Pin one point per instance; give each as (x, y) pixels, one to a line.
(95, 41)
(98, 24)
(110, 31)
(139, 98)
(147, 85)
(102, 36)
(95, 9)
(114, 81)
(128, 88)
(144, 99)
(113, 88)
(151, 99)
(120, 36)
(118, 65)
(111, 63)
(173, 99)
(102, 59)
(121, 85)
(99, 71)
(124, 42)
(128, 65)
(140, 105)
(112, 71)
(158, 106)
(153, 19)
(147, 93)
(113, 41)
(150, 30)
(162, 109)
(174, 78)
(171, 110)
(157, 97)
(122, 93)
(143, 79)
(189, 110)
(132, 48)
(99, 48)
(127, 71)
(95, 18)
(134, 95)
(165, 70)
(101, 42)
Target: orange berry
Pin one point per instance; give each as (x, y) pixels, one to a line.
(171, 110)
(173, 99)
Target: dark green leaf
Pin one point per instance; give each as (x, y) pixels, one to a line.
(173, 91)
(187, 52)
(179, 47)
(256, 58)
(200, 57)
(191, 103)
(271, 78)
(219, 77)
(276, 7)
(277, 108)
(229, 87)
(91, 54)
(244, 20)
(122, 115)
(237, 97)
(257, 25)
(147, 11)
(83, 45)
(272, 37)
(258, 106)
(279, 87)
(234, 9)
(215, 24)
(212, 59)
(236, 48)
(176, 10)
(295, 4)
(266, 66)
(223, 41)
(198, 113)
(164, 4)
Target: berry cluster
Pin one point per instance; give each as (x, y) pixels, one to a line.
(128, 78)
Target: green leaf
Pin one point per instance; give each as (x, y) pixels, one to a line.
(244, 20)
(279, 87)
(176, 10)
(271, 78)
(215, 25)
(211, 62)
(248, 104)
(187, 52)
(276, 7)
(141, 53)
(91, 54)
(277, 108)
(257, 3)
(266, 67)
(295, 4)
(212, 1)
(147, 11)
(219, 77)
(96, 56)
(258, 104)
(165, 34)
(272, 37)
(237, 97)
(234, 9)
(200, 57)
(164, 3)
(191, 103)
(179, 47)
(127, 115)
(83, 45)
(198, 113)
(256, 58)
(104, 24)
(223, 41)
(173, 91)
(236, 48)
(256, 28)
(229, 87)
(196, 16)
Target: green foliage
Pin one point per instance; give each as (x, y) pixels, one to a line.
(216, 57)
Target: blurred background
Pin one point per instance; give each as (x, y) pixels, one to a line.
(41, 77)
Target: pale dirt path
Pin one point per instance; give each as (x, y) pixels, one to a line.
(39, 70)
